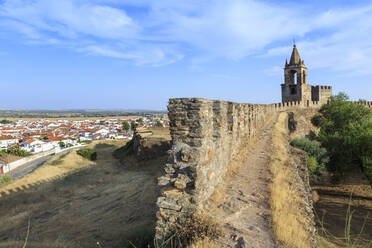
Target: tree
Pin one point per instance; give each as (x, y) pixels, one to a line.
(5, 121)
(61, 144)
(17, 151)
(126, 126)
(158, 124)
(346, 133)
(140, 121)
(133, 125)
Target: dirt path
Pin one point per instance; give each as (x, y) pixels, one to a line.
(29, 167)
(245, 210)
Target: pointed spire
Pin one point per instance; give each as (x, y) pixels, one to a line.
(286, 62)
(295, 57)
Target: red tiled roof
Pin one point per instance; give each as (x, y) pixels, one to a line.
(6, 137)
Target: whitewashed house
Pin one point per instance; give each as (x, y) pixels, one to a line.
(103, 132)
(6, 141)
(36, 146)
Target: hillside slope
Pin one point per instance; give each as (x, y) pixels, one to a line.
(78, 202)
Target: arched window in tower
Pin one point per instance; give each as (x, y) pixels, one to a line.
(293, 79)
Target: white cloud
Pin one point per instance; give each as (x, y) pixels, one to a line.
(346, 48)
(69, 19)
(165, 31)
(141, 56)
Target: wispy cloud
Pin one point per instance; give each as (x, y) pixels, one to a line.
(346, 47)
(159, 32)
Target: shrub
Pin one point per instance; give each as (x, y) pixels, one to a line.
(312, 164)
(198, 228)
(87, 153)
(16, 151)
(5, 179)
(367, 166)
(316, 158)
(346, 133)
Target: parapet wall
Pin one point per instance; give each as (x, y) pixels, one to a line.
(206, 135)
(368, 104)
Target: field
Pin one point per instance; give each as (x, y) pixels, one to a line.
(73, 202)
(72, 118)
(354, 194)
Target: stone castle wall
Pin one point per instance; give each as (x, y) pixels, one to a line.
(206, 135)
(321, 93)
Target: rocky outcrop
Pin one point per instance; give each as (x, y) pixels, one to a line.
(146, 147)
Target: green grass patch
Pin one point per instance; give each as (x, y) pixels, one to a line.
(5, 179)
(87, 153)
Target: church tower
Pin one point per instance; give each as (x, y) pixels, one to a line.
(295, 87)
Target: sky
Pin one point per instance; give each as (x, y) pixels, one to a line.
(136, 54)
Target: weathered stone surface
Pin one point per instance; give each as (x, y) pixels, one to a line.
(147, 147)
(168, 203)
(182, 181)
(206, 135)
(164, 180)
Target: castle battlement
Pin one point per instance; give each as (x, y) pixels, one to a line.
(323, 87)
(295, 87)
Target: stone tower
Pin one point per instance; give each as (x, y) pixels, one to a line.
(295, 87)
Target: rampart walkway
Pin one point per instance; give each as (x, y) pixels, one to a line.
(244, 209)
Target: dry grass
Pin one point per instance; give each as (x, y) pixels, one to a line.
(286, 203)
(205, 243)
(198, 227)
(199, 231)
(50, 171)
(13, 244)
(324, 243)
(74, 202)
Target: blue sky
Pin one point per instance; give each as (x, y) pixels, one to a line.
(136, 54)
